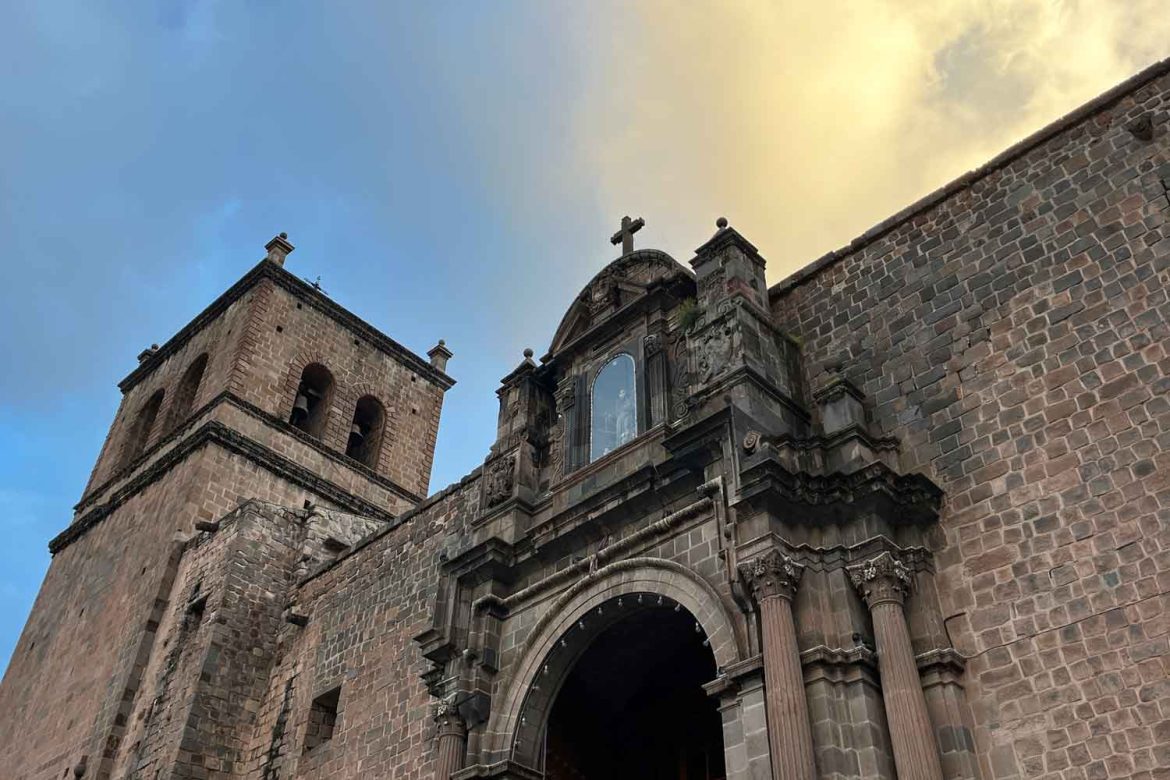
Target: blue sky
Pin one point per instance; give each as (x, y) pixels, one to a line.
(453, 171)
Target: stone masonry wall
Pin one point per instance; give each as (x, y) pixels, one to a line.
(288, 334)
(1013, 335)
(69, 672)
(79, 661)
(220, 341)
(363, 614)
(257, 348)
(219, 638)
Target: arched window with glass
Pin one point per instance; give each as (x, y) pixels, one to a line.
(613, 412)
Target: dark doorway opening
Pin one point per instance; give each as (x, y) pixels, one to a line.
(633, 706)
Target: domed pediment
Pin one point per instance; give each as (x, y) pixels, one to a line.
(613, 288)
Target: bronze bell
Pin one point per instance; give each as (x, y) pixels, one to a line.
(356, 436)
(300, 408)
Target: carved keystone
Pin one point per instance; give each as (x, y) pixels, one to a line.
(880, 579)
(771, 574)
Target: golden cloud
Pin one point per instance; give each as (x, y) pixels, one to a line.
(805, 123)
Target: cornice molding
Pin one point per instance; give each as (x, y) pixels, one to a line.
(269, 419)
(913, 493)
(215, 432)
(266, 269)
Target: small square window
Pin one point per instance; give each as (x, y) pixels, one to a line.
(322, 719)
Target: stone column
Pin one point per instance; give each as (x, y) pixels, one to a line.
(452, 733)
(772, 578)
(883, 582)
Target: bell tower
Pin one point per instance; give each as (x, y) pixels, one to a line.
(273, 392)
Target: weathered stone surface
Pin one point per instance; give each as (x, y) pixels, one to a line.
(955, 548)
(1012, 334)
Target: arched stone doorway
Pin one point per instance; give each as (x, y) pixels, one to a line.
(621, 697)
(633, 705)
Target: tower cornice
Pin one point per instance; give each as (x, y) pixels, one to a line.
(266, 269)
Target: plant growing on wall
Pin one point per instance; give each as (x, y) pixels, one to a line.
(689, 313)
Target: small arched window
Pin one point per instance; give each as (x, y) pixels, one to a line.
(365, 431)
(185, 394)
(311, 404)
(613, 411)
(139, 432)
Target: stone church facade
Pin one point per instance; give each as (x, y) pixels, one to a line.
(905, 514)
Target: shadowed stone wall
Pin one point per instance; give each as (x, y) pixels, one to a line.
(1012, 333)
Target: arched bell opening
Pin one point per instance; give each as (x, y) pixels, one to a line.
(139, 433)
(621, 697)
(310, 409)
(365, 431)
(186, 393)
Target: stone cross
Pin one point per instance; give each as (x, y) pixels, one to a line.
(625, 236)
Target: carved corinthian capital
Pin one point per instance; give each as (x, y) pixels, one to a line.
(880, 579)
(771, 574)
(448, 719)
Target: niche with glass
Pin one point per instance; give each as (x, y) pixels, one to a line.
(613, 407)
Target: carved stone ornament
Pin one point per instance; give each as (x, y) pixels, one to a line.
(652, 345)
(751, 441)
(566, 393)
(711, 285)
(678, 359)
(556, 451)
(714, 352)
(880, 579)
(501, 478)
(447, 716)
(771, 574)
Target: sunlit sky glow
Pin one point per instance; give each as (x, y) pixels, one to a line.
(455, 170)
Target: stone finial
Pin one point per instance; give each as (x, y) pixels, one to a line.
(147, 353)
(279, 248)
(880, 579)
(439, 355)
(771, 574)
(728, 266)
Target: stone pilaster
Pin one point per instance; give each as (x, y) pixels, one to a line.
(452, 739)
(883, 582)
(773, 578)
